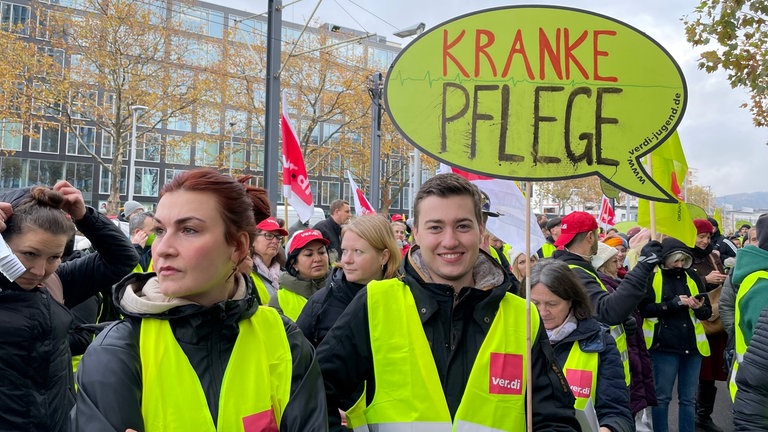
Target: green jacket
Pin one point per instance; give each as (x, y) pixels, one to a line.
(750, 259)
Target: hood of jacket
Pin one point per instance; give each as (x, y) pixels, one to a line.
(749, 259)
(138, 295)
(487, 272)
(302, 287)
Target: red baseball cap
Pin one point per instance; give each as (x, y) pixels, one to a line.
(575, 223)
(270, 225)
(301, 238)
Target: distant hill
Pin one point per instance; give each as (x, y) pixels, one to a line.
(755, 200)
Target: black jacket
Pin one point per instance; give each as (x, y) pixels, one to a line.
(611, 395)
(109, 377)
(455, 333)
(325, 306)
(749, 407)
(610, 308)
(36, 382)
(332, 232)
(674, 332)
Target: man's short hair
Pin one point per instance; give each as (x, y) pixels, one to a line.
(338, 205)
(446, 186)
(577, 238)
(137, 221)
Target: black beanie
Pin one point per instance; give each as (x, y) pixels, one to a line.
(762, 231)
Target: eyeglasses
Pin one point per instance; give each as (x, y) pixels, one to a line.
(269, 236)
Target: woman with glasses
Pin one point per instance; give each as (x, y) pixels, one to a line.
(306, 270)
(267, 246)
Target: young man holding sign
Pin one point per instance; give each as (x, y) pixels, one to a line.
(445, 344)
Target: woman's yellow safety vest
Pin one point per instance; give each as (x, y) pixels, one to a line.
(261, 289)
(290, 303)
(409, 395)
(617, 331)
(580, 370)
(254, 391)
(649, 324)
(740, 346)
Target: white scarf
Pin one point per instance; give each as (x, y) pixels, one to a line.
(566, 328)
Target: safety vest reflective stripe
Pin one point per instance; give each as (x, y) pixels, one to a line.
(460, 426)
(649, 324)
(581, 372)
(261, 288)
(740, 346)
(494, 397)
(290, 303)
(173, 398)
(617, 331)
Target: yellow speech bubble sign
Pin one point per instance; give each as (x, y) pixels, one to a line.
(539, 92)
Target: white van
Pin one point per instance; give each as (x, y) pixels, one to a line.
(316, 217)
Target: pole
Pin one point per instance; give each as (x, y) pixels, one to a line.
(231, 145)
(528, 336)
(272, 103)
(132, 153)
(375, 91)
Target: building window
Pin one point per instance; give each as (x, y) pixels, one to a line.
(105, 180)
(177, 151)
(257, 157)
(330, 192)
(170, 174)
(148, 147)
(14, 18)
(43, 107)
(180, 122)
(146, 181)
(80, 175)
(12, 172)
(395, 197)
(43, 22)
(200, 20)
(82, 104)
(79, 139)
(406, 198)
(206, 153)
(237, 157)
(43, 172)
(47, 140)
(248, 31)
(10, 135)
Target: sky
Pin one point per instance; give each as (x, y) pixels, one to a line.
(722, 146)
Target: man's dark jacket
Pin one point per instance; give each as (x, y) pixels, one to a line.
(455, 326)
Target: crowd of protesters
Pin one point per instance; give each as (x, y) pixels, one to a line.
(206, 315)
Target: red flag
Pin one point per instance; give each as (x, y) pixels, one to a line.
(296, 187)
(362, 206)
(606, 213)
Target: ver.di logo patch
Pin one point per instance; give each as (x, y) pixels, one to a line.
(506, 374)
(580, 382)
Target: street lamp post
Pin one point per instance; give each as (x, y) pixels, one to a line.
(231, 145)
(375, 89)
(132, 155)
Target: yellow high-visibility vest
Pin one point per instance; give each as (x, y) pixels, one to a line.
(409, 395)
(290, 303)
(254, 391)
(740, 346)
(580, 370)
(261, 289)
(649, 324)
(617, 331)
